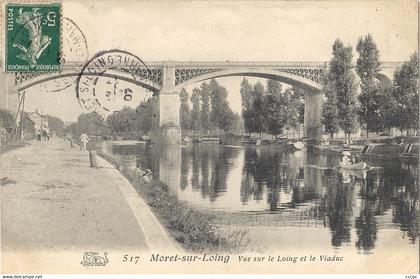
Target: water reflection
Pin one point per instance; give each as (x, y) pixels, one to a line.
(265, 186)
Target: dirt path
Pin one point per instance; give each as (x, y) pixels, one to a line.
(52, 199)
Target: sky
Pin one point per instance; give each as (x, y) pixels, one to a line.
(231, 30)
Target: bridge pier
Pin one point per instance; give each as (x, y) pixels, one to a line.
(166, 128)
(312, 117)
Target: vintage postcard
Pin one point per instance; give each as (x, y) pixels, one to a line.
(217, 137)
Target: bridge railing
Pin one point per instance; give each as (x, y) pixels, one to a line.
(306, 64)
(227, 63)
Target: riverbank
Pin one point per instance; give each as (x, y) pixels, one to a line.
(194, 230)
(50, 188)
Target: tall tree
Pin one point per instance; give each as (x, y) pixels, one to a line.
(221, 116)
(247, 104)
(205, 107)
(367, 68)
(406, 94)
(329, 108)
(299, 93)
(195, 112)
(273, 87)
(388, 107)
(345, 87)
(184, 109)
(144, 115)
(217, 96)
(259, 112)
(292, 106)
(275, 113)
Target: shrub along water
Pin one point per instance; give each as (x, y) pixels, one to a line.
(195, 230)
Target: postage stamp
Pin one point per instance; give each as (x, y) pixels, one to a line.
(33, 37)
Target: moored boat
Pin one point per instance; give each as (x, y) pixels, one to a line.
(299, 145)
(187, 139)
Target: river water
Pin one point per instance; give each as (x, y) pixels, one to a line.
(290, 199)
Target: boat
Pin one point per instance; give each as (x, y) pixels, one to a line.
(249, 141)
(299, 145)
(210, 139)
(262, 142)
(358, 166)
(187, 139)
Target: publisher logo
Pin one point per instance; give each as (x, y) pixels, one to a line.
(94, 259)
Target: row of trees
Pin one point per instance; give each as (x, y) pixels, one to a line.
(210, 110)
(379, 104)
(270, 109)
(130, 120)
(124, 121)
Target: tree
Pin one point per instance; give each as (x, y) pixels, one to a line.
(406, 94)
(345, 86)
(184, 110)
(388, 106)
(221, 116)
(292, 114)
(217, 98)
(89, 123)
(275, 113)
(273, 87)
(6, 119)
(122, 121)
(259, 112)
(205, 107)
(367, 68)
(329, 108)
(300, 94)
(247, 103)
(195, 112)
(144, 115)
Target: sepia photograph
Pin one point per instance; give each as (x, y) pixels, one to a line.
(209, 137)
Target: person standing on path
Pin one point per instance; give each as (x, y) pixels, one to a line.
(84, 139)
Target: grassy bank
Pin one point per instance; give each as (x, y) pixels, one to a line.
(194, 230)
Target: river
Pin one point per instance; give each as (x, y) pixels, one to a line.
(289, 200)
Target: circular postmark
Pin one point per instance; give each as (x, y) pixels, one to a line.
(75, 46)
(111, 81)
(74, 54)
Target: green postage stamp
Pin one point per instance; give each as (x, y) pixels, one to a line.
(33, 39)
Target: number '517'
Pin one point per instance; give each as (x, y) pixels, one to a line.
(131, 259)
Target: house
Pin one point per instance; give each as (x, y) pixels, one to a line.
(28, 128)
(40, 122)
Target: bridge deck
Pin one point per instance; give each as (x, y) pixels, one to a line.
(234, 64)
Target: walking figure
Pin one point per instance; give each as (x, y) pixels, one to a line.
(84, 139)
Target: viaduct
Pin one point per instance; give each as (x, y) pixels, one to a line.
(166, 78)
